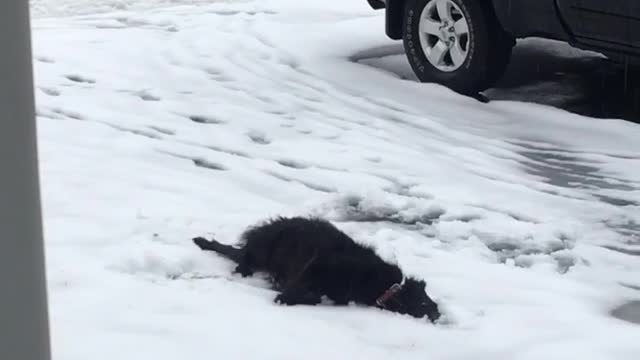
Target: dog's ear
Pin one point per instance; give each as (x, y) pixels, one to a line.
(416, 285)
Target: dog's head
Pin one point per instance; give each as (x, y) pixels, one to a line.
(410, 298)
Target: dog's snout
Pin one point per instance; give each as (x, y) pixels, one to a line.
(433, 315)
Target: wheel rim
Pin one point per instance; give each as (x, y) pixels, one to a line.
(444, 35)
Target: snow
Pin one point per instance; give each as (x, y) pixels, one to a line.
(63, 8)
(158, 123)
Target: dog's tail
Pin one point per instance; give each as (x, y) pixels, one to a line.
(222, 249)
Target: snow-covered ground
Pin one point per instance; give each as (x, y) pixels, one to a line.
(157, 124)
(57, 8)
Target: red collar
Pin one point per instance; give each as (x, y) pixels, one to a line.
(388, 294)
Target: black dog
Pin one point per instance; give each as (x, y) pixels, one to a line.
(307, 258)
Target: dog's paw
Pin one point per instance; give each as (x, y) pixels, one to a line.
(243, 271)
(201, 242)
(282, 300)
(481, 97)
(297, 298)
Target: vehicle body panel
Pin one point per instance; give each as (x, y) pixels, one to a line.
(600, 23)
(524, 18)
(608, 26)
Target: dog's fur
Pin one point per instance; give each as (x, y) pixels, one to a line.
(307, 258)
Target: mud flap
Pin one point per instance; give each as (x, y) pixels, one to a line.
(394, 18)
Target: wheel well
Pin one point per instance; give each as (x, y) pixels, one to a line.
(395, 16)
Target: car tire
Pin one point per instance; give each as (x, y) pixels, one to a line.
(456, 43)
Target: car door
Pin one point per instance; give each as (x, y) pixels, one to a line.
(600, 21)
(634, 27)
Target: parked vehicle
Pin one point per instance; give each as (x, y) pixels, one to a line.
(466, 44)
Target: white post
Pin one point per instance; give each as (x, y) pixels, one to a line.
(24, 325)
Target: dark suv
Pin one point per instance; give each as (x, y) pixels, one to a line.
(466, 44)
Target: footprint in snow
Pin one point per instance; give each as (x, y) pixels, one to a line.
(147, 96)
(50, 91)
(162, 130)
(258, 137)
(80, 79)
(208, 165)
(217, 75)
(69, 114)
(203, 119)
(292, 164)
(44, 59)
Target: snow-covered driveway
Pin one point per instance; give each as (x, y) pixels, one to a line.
(160, 124)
